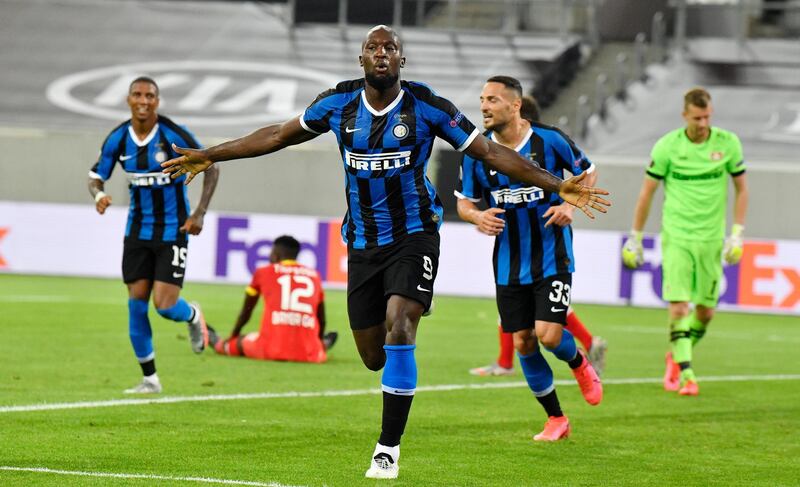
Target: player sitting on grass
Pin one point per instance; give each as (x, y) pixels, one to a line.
(293, 322)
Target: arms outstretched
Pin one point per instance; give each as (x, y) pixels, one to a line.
(510, 163)
(265, 140)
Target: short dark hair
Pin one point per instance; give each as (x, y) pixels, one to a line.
(530, 109)
(698, 97)
(143, 79)
(508, 82)
(287, 246)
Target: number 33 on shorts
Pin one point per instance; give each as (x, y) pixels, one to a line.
(559, 294)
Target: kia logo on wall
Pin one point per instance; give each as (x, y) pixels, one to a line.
(198, 93)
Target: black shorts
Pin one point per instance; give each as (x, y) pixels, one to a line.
(406, 267)
(154, 261)
(546, 300)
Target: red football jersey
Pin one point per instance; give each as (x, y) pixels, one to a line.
(292, 294)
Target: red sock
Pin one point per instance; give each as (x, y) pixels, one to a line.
(506, 357)
(575, 326)
(230, 347)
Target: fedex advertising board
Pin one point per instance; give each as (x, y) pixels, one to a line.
(37, 238)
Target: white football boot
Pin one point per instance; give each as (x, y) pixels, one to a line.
(384, 462)
(597, 354)
(198, 330)
(145, 387)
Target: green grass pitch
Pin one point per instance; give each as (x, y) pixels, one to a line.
(65, 340)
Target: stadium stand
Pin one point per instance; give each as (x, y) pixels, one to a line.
(755, 62)
(43, 48)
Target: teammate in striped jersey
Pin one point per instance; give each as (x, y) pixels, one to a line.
(533, 261)
(156, 235)
(595, 346)
(385, 128)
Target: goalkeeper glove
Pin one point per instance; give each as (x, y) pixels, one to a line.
(732, 252)
(632, 251)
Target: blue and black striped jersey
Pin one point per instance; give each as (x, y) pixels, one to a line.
(526, 251)
(159, 205)
(385, 155)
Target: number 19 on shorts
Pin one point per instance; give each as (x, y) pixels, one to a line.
(179, 256)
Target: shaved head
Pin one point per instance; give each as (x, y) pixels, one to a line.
(387, 29)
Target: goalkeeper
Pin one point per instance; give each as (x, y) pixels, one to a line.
(692, 161)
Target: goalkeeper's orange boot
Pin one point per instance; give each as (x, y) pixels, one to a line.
(690, 388)
(556, 428)
(672, 374)
(588, 381)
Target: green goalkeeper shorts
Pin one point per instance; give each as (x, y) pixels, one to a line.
(692, 271)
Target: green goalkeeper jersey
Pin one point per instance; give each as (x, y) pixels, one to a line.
(695, 182)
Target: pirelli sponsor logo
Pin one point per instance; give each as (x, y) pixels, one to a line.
(517, 196)
(148, 179)
(698, 177)
(378, 162)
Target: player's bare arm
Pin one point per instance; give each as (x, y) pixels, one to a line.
(245, 314)
(633, 250)
(101, 200)
(741, 198)
(263, 141)
(321, 319)
(643, 203)
(510, 163)
(733, 248)
(194, 224)
(487, 220)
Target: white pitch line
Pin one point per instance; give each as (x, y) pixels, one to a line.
(59, 298)
(360, 392)
(205, 480)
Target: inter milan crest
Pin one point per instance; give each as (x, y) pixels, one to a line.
(532, 157)
(717, 156)
(400, 131)
(160, 156)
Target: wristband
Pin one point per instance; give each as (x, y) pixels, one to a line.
(100, 195)
(737, 230)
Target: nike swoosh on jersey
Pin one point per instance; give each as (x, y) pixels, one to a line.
(492, 172)
(124, 158)
(553, 309)
(177, 275)
(420, 288)
(350, 131)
